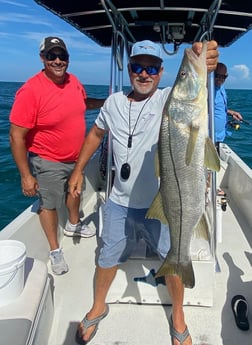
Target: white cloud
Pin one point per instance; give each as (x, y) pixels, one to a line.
(241, 71)
(11, 17)
(14, 3)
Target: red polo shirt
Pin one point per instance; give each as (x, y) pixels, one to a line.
(55, 115)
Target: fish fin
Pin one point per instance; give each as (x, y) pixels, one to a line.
(157, 166)
(202, 228)
(191, 143)
(156, 210)
(185, 272)
(212, 160)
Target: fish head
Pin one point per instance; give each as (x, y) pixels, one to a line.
(192, 75)
(187, 101)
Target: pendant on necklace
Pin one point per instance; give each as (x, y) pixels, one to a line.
(125, 171)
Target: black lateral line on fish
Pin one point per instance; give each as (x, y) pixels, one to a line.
(179, 193)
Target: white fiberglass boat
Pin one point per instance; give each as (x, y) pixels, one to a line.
(50, 307)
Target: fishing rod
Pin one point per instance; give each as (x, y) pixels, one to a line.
(246, 122)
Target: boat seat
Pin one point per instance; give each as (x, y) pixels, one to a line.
(28, 318)
(14, 331)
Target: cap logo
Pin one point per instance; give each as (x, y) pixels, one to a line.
(147, 47)
(55, 40)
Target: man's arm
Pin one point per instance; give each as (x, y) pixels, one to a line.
(237, 116)
(18, 148)
(89, 147)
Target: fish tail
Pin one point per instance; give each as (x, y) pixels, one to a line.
(184, 271)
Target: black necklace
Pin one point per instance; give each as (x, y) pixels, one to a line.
(125, 169)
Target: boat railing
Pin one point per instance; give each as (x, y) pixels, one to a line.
(237, 183)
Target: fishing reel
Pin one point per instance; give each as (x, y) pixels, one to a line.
(234, 124)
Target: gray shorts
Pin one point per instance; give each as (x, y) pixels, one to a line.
(123, 227)
(52, 178)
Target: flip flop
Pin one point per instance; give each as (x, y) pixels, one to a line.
(181, 337)
(88, 323)
(240, 310)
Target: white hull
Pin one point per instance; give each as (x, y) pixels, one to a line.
(138, 313)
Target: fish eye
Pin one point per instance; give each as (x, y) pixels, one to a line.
(182, 74)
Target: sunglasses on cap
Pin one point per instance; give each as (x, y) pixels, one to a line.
(151, 70)
(53, 56)
(220, 76)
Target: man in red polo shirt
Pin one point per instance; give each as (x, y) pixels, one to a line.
(47, 131)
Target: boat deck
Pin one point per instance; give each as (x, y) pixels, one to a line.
(134, 324)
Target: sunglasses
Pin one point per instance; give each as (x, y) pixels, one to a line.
(151, 70)
(220, 76)
(53, 56)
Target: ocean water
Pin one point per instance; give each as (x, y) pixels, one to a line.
(241, 141)
(12, 201)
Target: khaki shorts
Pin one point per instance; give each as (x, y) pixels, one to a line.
(52, 178)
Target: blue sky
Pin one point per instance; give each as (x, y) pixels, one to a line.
(23, 24)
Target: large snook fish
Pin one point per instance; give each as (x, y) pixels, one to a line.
(184, 152)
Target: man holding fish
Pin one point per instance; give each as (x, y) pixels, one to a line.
(138, 128)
